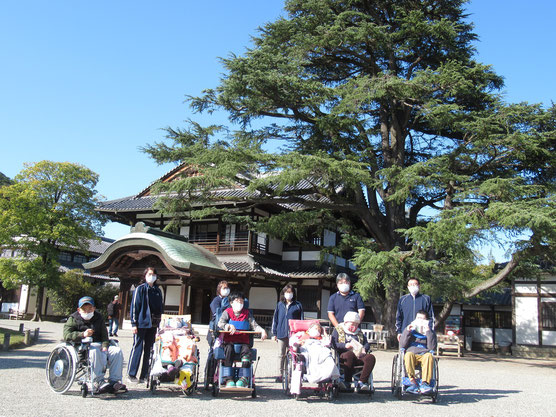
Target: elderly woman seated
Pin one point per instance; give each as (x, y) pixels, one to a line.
(353, 348)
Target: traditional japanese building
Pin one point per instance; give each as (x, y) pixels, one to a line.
(191, 263)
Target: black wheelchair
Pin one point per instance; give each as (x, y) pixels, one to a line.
(400, 380)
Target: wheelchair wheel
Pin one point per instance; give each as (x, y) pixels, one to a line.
(396, 384)
(332, 392)
(287, 374)
(435, 376)
(254, 392)
(210, 369)
(151, 384)
(61, 368)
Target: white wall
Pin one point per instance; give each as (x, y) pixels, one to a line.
(310, 255)
(548, 288)
(504, 335)
(549, 338)
(526, 321)
(290, 256)
(262, 298)
(184, 231)
(479, 334)
(173, 294)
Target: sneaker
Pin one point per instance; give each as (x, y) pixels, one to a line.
(413, 389)
(103, 387)
(242, 382)
(361, 386)
(278, 379)
(119, 387)
(344, 386)
(230, 383)
(425, 388)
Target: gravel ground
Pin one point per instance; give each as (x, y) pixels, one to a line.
(477, 385)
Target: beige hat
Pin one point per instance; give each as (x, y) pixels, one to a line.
(352, 316)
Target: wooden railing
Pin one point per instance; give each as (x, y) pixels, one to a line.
(223, 246)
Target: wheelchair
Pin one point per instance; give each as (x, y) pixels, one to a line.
(356, 377)
(400, 380)
(221, 373)
(69, 362)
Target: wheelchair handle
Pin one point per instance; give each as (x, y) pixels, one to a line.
(88, 339)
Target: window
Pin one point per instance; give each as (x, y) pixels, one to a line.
(79, 259)
(478, 319)
(548, 316)
(65, 257)
(503, 319)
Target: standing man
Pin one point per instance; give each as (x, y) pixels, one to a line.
(113, 311)
(410, 304)
(344, 300)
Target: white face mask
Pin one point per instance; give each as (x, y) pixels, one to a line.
(150, 279)
(343, 287)
(313, 332)
(288, 296)
(237, 307)
(413, 289)
(87, 316)
(224, 292)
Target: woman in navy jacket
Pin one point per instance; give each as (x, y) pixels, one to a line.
(146, 309)
(288, 308)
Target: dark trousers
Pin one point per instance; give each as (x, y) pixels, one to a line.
(349, 361)
(143, 342)
(229, 353)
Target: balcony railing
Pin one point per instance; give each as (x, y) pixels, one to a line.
(239, 244)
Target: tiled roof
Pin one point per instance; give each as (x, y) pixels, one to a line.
(65, 269)
(302, 272)
(128, 204)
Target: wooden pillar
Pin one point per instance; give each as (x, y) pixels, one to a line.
(125, 299)
(184, 308)
(319, 301)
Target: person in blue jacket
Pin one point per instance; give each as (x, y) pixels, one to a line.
(145, 312)
(288, 308)
(410, 304)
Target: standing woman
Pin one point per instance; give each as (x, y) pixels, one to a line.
(146, 309)
(222, 291)
(288, 308)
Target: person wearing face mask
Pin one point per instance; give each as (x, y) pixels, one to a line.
(288, 308)
(354, 349)
(222, 291)
(87, 322)
(145, 312)
(234, 318)
(344, 300)
(410, 304)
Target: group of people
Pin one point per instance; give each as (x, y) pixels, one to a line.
(346, 310)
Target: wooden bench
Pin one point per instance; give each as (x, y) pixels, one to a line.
(449, 343)
(377, 338)
(16, 314)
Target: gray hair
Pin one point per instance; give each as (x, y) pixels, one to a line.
(341, 276)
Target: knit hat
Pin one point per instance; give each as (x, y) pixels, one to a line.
(352, 316)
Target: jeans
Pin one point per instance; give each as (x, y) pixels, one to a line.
(113, 358)
(113, 322)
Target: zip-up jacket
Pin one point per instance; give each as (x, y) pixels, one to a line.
(418, 343)
(408, 306)
(282, 315)
(76, 325)
(146, 304)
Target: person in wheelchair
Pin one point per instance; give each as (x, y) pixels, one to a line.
(419, 343)
(353, 348)
(87, 322)
(235, 318)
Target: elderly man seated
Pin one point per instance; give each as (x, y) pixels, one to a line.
(87, 322)
(419, 341)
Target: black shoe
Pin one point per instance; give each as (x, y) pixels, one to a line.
(115, 334)
(103, 388)
(110, 334)
(119, 387)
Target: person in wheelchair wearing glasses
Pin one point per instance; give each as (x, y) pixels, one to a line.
(86, 322)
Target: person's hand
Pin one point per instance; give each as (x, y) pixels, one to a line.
(88, 333)
(274, 338)
(134, 330)
(104, 349)
(263, 335)
(349, 346)
(231, 328)
(399, 337)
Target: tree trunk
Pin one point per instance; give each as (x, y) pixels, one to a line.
(38, 306)
(389, 309)
(446, 308)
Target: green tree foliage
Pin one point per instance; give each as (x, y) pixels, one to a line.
(392, 134)
(49, 206)
(5, 180)
(73, 286)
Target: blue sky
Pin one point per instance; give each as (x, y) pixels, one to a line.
(90, 82)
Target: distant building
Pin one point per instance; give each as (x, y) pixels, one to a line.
(23, 299)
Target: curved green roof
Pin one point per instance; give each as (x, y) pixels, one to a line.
(175, 251)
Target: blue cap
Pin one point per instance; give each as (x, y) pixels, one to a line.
(86, 300)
